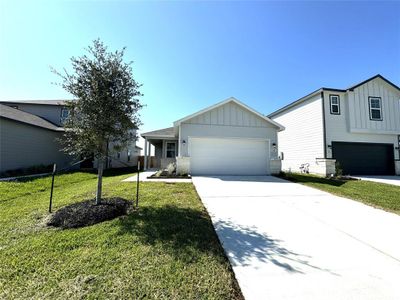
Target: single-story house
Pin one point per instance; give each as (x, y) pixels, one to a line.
(228, 138)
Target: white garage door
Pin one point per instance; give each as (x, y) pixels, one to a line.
(212, 156)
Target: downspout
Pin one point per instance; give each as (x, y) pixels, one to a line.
(324, 123)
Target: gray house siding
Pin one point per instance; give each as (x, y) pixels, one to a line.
(23, 146)
(50, 113)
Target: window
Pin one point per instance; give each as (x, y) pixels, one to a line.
(334, 101)
(129, 155)
(14, 106)
(171, 152)
(119, 155)
(375, 108)
(64, 114)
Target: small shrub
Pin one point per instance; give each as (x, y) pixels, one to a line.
(282, 174)
(338, 169)
(171, 168)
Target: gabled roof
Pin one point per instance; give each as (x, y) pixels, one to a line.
(27, 118)
(162, 133)
(39, 102)
(294, 103)
(234, 100)
(351, 88)
(372, 78)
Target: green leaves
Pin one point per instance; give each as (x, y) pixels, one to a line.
(106, 106)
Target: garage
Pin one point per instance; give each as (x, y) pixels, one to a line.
(364, 158)
(229, 156)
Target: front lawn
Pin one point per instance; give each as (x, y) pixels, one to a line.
(379, 195)
(168, 250)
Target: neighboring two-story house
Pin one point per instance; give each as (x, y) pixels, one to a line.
(29, 133)
(357, 127)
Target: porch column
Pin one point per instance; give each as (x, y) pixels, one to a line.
(149, 156)
(145, 155)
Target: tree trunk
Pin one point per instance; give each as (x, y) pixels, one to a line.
(99, 179)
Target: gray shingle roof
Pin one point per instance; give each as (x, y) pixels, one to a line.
(294, 103)
(41, 102)
(24, 117)
(165, 132)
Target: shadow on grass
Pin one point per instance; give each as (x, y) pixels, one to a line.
(247, 246)
(312, 179)
(184, 232)
(112, 172)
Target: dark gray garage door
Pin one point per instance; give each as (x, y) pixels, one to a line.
(364, 158)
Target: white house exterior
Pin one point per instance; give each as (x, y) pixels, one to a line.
(358, 127)
(228, 138)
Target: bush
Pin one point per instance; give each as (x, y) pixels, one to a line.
(338, 169)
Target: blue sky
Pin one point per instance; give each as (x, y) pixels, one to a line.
(190, 55)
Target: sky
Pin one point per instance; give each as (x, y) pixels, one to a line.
(189, 55)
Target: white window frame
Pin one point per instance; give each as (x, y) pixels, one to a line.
(332, 97)
(375, 108)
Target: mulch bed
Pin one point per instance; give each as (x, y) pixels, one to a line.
(164, 174)
(87, 213)
(170, 176)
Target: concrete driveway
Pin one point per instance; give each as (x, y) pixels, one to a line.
(394, 180)
(288, 241)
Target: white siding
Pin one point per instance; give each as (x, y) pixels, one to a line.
(122, 161)
(354, 115)
(227, 121)
(302, 140)
(358, 108)
(229, 114)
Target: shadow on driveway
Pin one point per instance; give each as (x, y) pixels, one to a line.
(245, 178)
(246, 246)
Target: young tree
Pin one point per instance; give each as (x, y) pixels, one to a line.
(106, 105)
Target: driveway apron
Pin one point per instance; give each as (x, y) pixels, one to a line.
(289, 241)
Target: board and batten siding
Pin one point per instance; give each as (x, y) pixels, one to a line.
(229, 114)
(227, 121)
(24, 146)
(340, 128)
(302, 140)
(359, 118)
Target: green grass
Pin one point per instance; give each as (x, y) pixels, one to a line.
(380, 195)
(167, 250)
